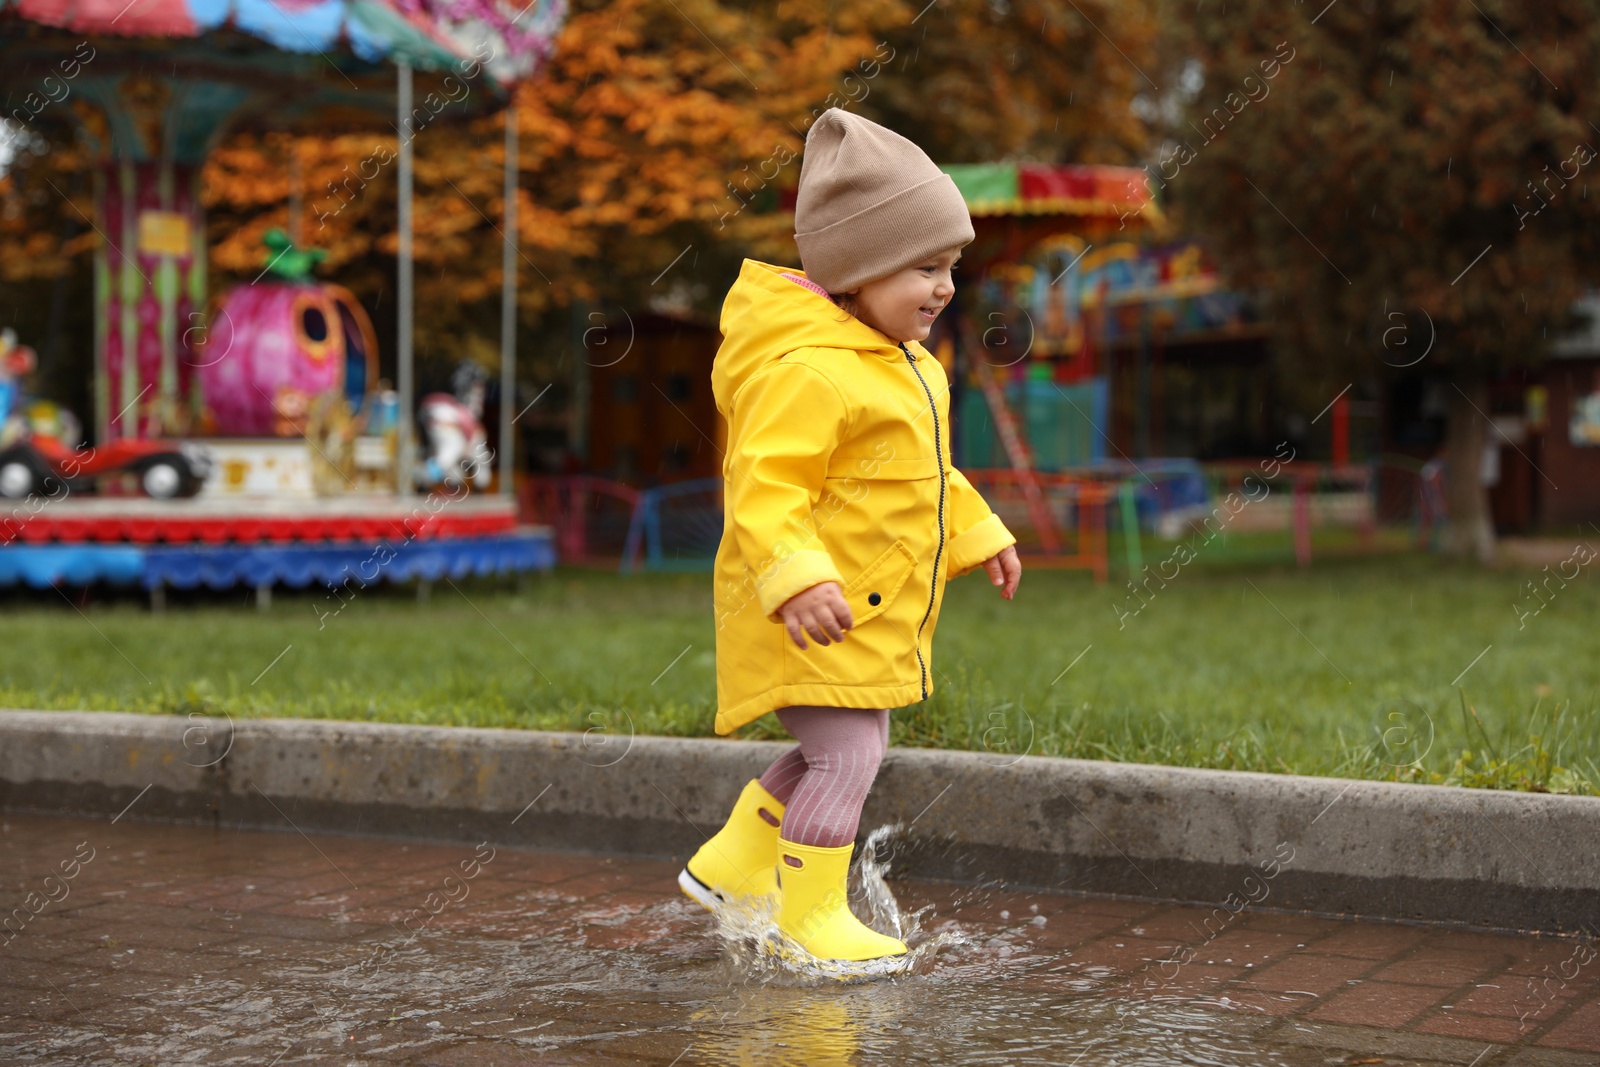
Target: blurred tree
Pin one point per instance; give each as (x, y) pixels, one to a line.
(1415, 172)
(45, 241)
(1043, 81)
(41, 231)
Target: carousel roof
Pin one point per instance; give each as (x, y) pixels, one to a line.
(429, 34)
(1047, 189)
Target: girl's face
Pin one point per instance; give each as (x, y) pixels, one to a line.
(904, 305)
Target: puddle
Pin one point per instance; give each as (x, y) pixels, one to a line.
(558, 959)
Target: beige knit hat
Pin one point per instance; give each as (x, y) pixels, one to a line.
(870, 203)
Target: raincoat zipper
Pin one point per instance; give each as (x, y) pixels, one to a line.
(938, 455)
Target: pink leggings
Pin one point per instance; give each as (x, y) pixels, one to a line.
(824, 781)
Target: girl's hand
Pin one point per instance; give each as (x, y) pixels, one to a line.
(820, 611)
(1005, 567)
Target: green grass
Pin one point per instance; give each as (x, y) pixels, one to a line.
(1345, 669)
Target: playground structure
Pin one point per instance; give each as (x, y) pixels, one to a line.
(309, 474)
(1044, 402)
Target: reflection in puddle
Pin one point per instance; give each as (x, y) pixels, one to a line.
(930, 1020)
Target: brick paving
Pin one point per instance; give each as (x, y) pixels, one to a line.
(154, 944)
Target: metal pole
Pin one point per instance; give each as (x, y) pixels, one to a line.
(129, 293)
(296, 198)
(508, 304)
(166, 286)
(403, 338)
(578, 408)
(102, 314)
(1141, 441)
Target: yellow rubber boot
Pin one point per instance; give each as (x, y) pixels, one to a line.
(739, 862)
(814, 914)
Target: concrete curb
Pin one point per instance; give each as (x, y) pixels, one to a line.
(1427, 853)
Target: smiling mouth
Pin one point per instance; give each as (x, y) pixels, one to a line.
(931, 312)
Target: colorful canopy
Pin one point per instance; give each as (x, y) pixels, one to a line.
(1045, 189)
(429, 34)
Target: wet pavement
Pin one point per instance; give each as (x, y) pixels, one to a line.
(134, 943)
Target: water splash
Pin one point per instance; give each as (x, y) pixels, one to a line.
(758, 950)
(869, 885)
(883, 911)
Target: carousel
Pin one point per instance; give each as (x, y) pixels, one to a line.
(248, 437)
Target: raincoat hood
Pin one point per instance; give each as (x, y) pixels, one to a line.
(766, 316)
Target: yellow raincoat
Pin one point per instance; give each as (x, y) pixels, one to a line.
(837, 469)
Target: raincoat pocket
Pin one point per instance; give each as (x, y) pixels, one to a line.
(877, 645)
(870, 592)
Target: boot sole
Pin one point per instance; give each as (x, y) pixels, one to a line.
(707, 897)
(698, 891)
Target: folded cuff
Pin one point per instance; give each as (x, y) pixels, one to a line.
(907, 228)
(798, 572)
(978, 543)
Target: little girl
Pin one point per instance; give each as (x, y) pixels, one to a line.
(842, 515)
